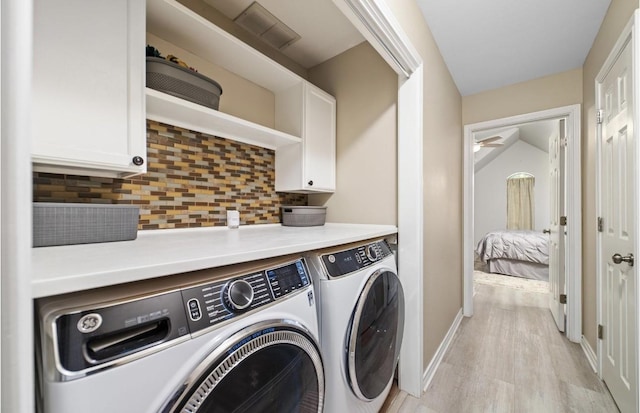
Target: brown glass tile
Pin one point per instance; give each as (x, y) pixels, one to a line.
(192, 179)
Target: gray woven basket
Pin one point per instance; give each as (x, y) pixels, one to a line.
(64, 224)
(173, 79)
(303, 216)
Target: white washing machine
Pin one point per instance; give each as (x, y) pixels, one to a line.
(237, 339)
(361, 313)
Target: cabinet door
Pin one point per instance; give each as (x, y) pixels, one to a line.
(319, 140)
(88, 87)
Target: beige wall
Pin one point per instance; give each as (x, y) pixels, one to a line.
(366, 92)
(547, 92)
(618, 15)
(442, 182)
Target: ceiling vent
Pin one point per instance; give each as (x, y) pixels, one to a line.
(259, 21)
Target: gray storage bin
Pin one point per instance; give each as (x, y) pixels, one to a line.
(171, 78)
(303, 216)
(64, 224)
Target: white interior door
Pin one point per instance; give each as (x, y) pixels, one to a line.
(617, 199)
(556, 231)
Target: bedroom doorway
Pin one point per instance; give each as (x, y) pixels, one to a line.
(502, 135)
(513, 205)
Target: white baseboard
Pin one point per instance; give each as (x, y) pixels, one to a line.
(591, 355)
(442, 349)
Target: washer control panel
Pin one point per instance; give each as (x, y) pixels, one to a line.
(345, 262)
(213, 303)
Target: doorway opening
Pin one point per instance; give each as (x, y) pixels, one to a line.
(570, 141)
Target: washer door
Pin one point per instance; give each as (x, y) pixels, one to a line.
(375, 335)
(268, 367)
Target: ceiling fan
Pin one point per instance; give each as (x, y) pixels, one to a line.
(487, 143)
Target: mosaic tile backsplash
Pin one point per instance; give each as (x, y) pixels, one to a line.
(192, 179)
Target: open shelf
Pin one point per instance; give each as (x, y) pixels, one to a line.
(169, 109)
(179, 25)
(186, 29)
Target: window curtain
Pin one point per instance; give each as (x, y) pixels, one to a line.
(520, 202)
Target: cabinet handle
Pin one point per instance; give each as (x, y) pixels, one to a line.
(310, 183)
(138, 160)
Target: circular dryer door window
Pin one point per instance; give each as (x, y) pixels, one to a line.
(375, 336)
(269, 367)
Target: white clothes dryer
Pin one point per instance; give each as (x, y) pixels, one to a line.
(236, 339)
(361, 313)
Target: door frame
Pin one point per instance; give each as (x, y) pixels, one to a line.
(378, 25)
(16, 300)
(573, 206)
(628, 34)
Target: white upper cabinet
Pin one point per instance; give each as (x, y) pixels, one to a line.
(310, 165)
(88, 87)
(319, 140)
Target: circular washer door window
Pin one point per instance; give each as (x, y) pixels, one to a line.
(264, 368)
(375, 336)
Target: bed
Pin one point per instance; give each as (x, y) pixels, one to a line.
(517, 253)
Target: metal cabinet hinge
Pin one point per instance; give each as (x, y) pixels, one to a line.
(600, 224)
(599, 116)
(563, 298)
(564, 142)
(600, 331)
(563, 220)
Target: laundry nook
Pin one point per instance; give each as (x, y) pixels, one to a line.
(318, 206)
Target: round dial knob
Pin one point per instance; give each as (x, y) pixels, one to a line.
(239, 294)
(371, 253)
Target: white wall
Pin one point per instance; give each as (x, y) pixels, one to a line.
(490, 207)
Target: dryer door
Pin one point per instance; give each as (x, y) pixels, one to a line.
(268, 367)
(375, 335)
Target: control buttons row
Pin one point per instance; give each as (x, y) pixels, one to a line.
(216, 302)
(345, 262)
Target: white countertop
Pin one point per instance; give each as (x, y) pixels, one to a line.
(156, 253)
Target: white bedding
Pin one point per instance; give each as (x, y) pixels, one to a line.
(519, 253)
(531, 270)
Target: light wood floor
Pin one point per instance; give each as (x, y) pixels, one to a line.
(509, 357)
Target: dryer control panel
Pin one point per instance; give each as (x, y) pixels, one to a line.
(345, 262)
(210, 304)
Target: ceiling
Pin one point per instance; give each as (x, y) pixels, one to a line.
(494, 43)
(325, 32)
(485, 44)
(536, 134)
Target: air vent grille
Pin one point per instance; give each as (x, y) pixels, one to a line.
(259, 21)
